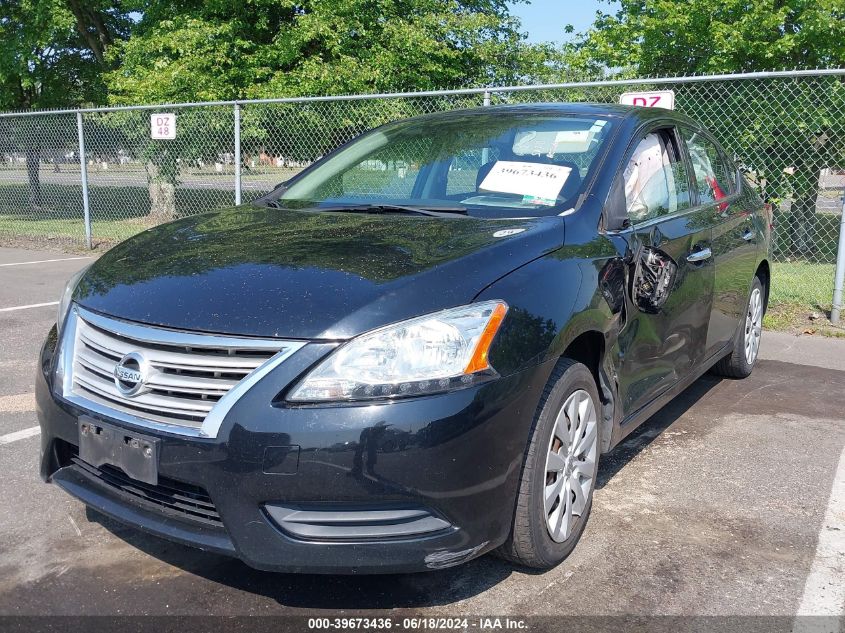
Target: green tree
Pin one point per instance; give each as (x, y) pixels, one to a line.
(269, 48)
(716, 36)
(52, 55)
(227, 49)
(788, 138)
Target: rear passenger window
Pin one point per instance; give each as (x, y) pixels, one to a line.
(656, 181)
(714, 176)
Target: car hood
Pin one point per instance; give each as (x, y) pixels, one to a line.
(265, 272)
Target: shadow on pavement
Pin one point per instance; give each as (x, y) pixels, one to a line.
(650, 430)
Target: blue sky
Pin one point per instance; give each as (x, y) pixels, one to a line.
(544, 20)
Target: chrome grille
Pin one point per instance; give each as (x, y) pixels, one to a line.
(186, 374)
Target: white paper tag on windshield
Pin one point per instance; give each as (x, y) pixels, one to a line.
(526, 179)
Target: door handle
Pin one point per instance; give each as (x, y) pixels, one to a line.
(700, 256)
(748, 235)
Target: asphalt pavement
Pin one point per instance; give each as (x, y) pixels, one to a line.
(729, 501)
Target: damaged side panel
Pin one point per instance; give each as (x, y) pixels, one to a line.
(653, 279)
(668, 303)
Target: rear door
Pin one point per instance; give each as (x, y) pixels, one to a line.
(716, 186)
(670, 270)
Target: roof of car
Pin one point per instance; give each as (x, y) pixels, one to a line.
(562, 108)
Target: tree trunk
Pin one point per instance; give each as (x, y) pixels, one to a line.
(802, 218)
(33, 164)
(92, 27)
(162, 196)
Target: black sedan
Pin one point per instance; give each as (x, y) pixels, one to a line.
(416, 350)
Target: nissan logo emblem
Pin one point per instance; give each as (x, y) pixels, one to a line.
(130, 374)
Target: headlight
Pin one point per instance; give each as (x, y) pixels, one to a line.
(67, 294)
(429, 354)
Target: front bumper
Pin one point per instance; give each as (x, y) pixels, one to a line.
(419, 484)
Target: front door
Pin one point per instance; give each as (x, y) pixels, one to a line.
(671, 272)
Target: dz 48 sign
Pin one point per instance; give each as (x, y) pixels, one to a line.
(655, 99)
(163, 126)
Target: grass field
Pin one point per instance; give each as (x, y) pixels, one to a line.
(804, 283)
(116, 212)
(801, 298)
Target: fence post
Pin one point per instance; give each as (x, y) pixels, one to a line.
(237, 153)
(839, 277)
(485, 153)
(83, 172)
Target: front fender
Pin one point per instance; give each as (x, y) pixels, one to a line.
(555, 299)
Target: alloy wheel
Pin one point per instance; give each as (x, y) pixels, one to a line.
(571, 464)
(753, 326)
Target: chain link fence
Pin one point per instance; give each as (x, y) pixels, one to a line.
(787, 129)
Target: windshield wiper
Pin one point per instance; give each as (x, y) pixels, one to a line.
(433, 211)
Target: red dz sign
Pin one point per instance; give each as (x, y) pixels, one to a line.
(655, 99)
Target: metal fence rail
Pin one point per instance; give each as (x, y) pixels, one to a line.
(94, 176)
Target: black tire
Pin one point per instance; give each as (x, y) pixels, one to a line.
(737, 364)
(530, 542)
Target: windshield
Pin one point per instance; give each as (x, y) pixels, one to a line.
(486, 165)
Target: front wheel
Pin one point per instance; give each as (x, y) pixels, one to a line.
(556, 488)
(740, 362)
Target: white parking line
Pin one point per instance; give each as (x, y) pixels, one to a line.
(19, 435)
(824, 591)
(33, 305)
(43, 261)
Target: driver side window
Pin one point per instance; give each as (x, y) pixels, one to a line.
(656, 181)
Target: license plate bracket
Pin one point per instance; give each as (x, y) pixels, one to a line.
(134, 453)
